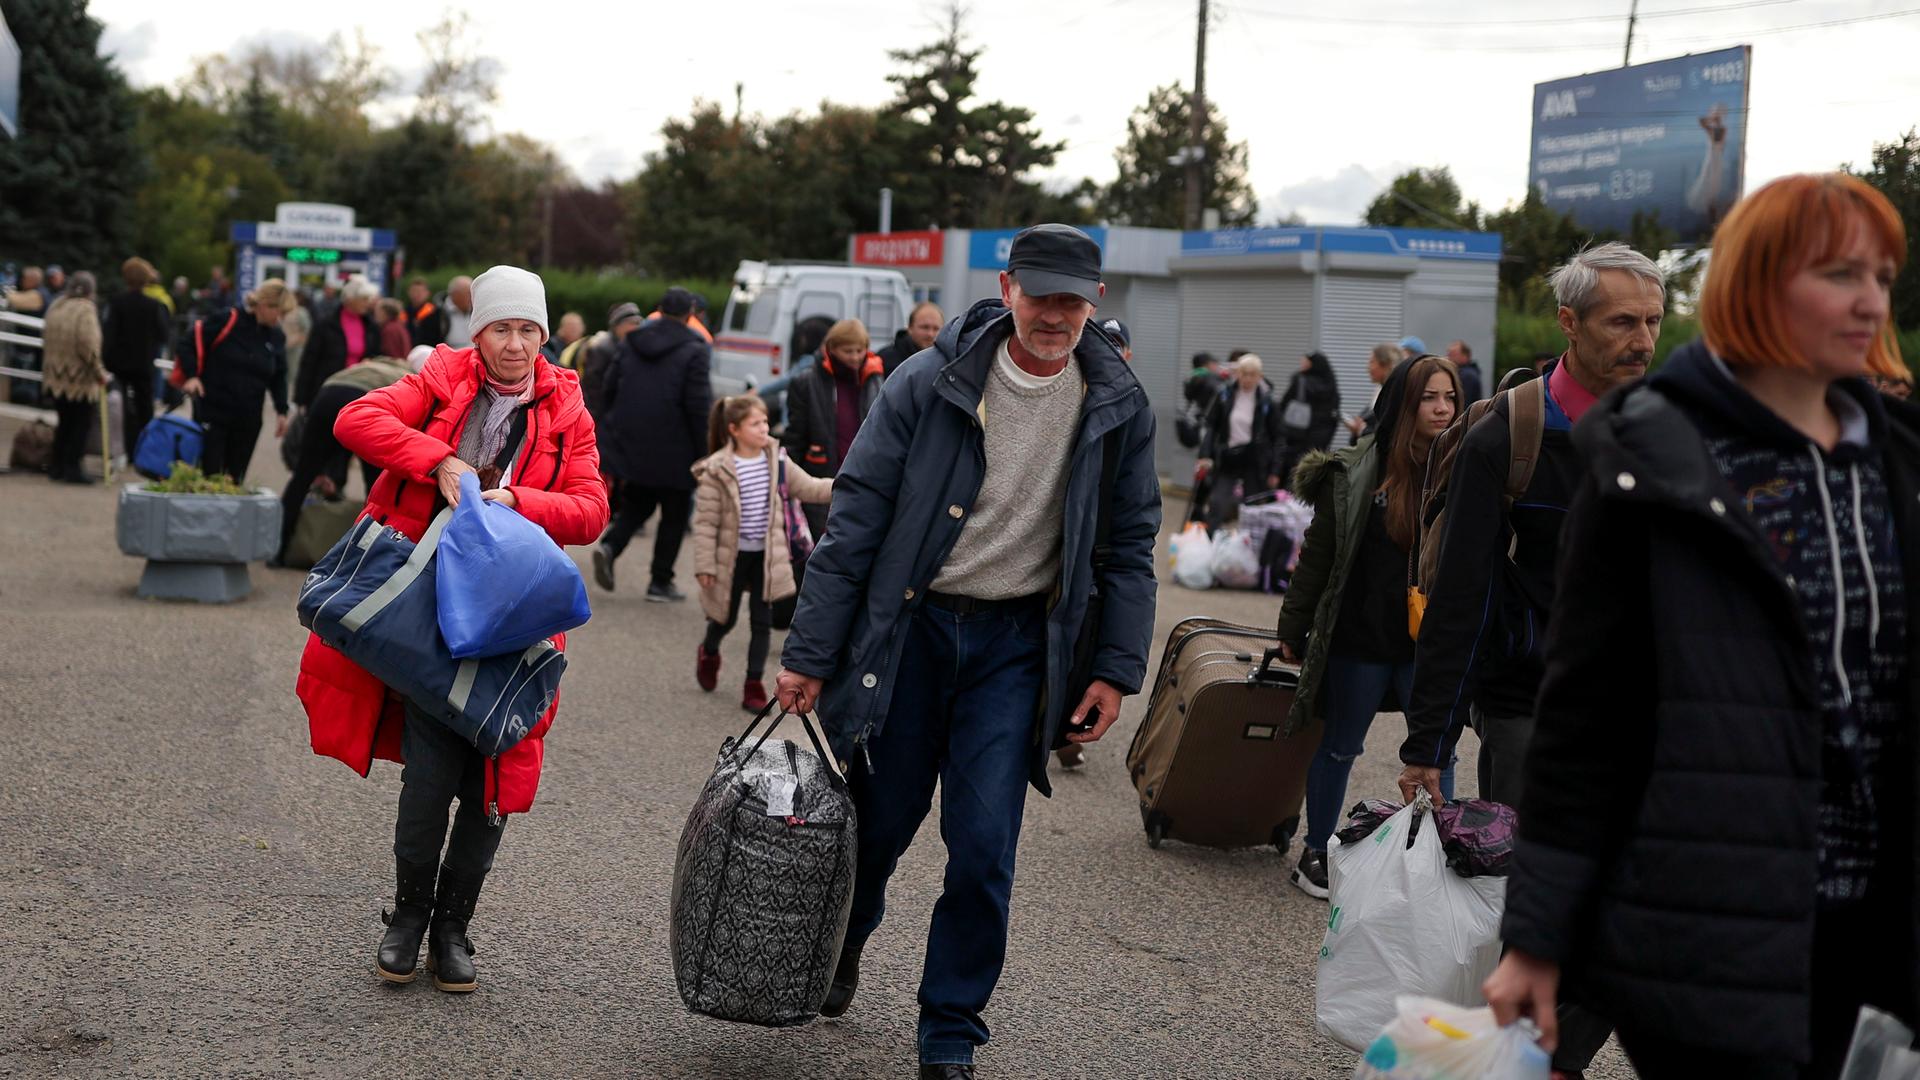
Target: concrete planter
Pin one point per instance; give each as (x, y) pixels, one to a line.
(197, 547)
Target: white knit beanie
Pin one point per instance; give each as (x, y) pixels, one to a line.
(508, 292)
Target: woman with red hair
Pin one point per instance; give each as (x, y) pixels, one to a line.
(1717, 837)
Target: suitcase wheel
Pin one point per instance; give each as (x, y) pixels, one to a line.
(1283, 833)
(1156, 827)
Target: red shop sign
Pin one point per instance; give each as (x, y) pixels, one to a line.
(898, 249)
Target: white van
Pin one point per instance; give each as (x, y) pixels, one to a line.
(778, 312)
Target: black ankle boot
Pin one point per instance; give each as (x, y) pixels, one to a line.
(846, 979)
(449, 953)
(407, 923)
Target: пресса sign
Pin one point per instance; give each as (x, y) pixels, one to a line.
(1667, 137)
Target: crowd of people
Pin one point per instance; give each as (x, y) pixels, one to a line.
(1683, 633)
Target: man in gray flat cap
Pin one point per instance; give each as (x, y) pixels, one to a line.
(984, 594)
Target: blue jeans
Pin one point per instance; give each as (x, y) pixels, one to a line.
(963, 713)
(1354, 690)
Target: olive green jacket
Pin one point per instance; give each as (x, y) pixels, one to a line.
(1339, 487)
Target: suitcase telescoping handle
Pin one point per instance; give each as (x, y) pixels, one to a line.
(1268, 672)
(806, 721)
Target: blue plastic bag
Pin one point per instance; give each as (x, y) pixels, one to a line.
(504, 584)
(372, 597)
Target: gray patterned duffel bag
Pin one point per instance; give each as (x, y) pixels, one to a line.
(763, 881)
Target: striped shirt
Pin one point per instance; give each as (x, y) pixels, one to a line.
(754, 498)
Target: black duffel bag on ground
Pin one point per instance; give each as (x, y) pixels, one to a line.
(763, 882)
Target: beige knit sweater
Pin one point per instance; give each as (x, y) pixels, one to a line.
(71, 353)
(1010, 544)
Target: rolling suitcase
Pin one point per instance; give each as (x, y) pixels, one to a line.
(1213, 761)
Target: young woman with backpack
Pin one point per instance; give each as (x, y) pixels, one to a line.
(1345, 619)
(1718, 834)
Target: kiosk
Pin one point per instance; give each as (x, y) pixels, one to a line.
(311, 245)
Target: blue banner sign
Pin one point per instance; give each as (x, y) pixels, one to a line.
(1667, 137)
(987, 248)
(9, 82)
(1423, 243)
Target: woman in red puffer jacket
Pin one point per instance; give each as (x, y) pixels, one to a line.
(425, 431)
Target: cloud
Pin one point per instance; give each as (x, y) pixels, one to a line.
(1338, 199)
(129, 46)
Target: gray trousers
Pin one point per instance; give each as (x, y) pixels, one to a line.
(1503, 756)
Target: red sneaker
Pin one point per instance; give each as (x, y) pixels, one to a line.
(706, 669)
(753, 697)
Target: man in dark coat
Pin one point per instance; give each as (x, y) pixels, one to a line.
(653, 427)
(1472, 383)
(1492, 600)
(922, 327)
(941, 615)
(600, 351)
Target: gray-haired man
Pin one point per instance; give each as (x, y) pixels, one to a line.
(1482, 639)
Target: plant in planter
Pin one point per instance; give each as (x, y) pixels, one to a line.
(197, 533)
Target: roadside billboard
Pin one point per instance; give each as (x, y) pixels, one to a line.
(1669, 136)
(9, 81)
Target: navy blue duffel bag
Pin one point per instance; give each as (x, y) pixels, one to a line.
(373, 597)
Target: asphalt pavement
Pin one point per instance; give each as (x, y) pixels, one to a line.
(189, 891)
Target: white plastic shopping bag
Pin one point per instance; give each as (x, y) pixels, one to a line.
(1432, 1040)
(1401, 922)
(1236, 561)
(1192, 553)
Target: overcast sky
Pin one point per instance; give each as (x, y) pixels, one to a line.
(1331, 105)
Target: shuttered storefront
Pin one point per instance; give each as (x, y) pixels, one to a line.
(1357, 312)
(1270, 313)
(1153, 316)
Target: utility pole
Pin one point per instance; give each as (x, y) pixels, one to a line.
(546, 223)
(1197, 131)
(1633, 15)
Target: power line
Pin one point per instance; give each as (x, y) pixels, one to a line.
(1442, 24)
(1721, 38)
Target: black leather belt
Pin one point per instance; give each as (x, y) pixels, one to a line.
(968, 605)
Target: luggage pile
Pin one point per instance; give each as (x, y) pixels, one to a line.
(1259, 553)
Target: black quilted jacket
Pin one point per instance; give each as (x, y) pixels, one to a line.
(1668, 833)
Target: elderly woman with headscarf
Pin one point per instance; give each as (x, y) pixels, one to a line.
(459, 414)
(74, 375)
(234, 363)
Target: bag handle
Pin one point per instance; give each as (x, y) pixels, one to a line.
(806, 721)
(1266, 672)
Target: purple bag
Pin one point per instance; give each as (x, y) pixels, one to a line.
(1368, 816)
(1476, 834)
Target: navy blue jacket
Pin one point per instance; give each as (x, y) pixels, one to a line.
(919, 457)
(654, 399)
